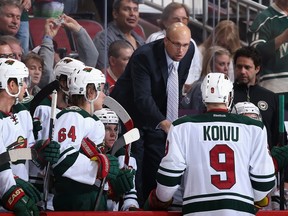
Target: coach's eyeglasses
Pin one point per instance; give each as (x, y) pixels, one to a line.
(10, 55)
(178, 45)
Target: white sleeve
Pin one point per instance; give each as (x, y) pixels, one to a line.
(196, 66)
(261, 167)
(173, 161)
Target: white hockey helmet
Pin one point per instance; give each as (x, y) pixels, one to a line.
(100, 75)
(217, 88)
(107, 116)
(12, 68)
(244, 108)
(79, 80)
(67, 66)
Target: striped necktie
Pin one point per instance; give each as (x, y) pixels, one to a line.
(172, 93)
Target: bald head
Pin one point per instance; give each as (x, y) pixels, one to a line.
(178, 28)
(177, 41)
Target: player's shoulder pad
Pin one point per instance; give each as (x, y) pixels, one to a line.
(19, 107)
(27, 101)
(74, 109)
(219, 117)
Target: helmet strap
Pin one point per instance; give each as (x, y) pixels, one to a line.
(92, 102)
(16, 96)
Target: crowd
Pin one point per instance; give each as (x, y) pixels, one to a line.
(222, 157)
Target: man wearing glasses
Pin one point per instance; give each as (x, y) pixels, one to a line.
(143, 91)
(5, 50)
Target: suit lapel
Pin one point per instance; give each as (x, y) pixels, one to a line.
(162, 61)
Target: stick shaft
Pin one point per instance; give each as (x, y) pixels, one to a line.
(281, 142)
(51, 130)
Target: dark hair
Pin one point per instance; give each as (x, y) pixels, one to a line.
(249, 52)
(115, 47)
(117, 3)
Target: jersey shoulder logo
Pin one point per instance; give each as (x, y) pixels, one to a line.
(262, 105)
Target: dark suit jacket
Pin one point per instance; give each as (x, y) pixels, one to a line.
(141, 89)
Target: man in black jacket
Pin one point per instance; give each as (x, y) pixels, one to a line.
(247, 61)
(142, 91)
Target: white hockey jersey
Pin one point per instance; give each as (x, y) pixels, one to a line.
(6, 175)
(43, 113)
(224, 161)
(71, 126)
(18, 133)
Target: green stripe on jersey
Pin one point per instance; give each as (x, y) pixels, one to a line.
(263, 186)
(18, 108)
(168, 180)
(214, 205)
(218, 117)
(64, 165)
(78, 110)
(5, 166)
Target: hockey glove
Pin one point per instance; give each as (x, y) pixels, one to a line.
(123, 183)
(46, 152)
(29, 189)
(154, 204)
(280, 154)
(37, 126)
(108, 166)
(261, 204)
(15, 200)
(133, 208)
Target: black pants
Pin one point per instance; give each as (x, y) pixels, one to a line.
(148, 151)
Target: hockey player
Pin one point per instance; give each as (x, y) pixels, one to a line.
(222, 165)
(247, 109)
(78, 131)
(17, 122)
(13, 197)
(62, 72)
(125, 182)
(279, 153)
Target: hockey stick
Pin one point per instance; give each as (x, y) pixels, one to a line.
(129, 137)
(124, 117)
(41, 95)
(15, 155)
(282, 142)
(51, 130)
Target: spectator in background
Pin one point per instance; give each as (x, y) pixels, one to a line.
(177, 12)
(15, 45)
(126, 17)
(119, 54)
(269, 34)
(5, 50)
(86, 50)
(35, 65)
(10, 13)
(215, 59)
(225, 34)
